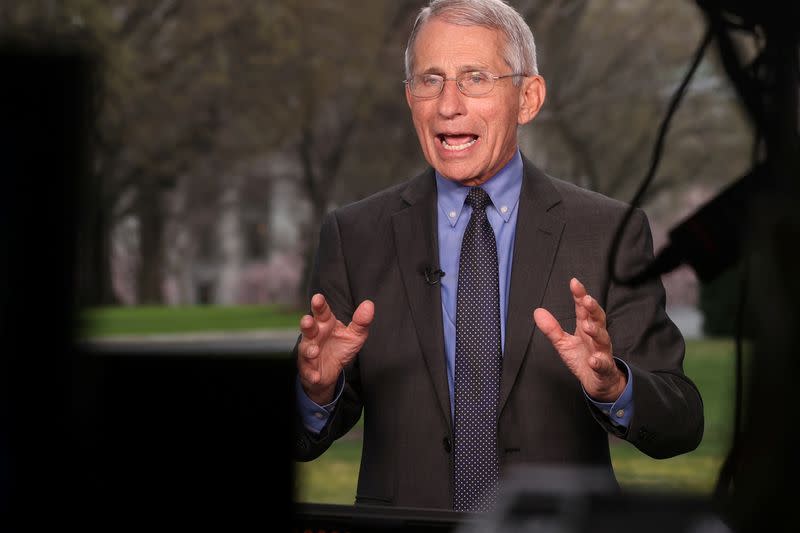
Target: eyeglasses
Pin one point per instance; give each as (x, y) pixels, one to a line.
(475, 83)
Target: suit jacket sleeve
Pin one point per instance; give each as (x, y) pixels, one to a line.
(330, 278)
(668, 417)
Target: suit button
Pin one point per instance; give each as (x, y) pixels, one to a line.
(448, 447)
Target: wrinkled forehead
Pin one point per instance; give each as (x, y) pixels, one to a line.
(444, 46)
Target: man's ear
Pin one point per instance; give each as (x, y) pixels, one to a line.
(531, 98)
(408, 95)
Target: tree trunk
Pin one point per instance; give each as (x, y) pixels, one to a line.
(151, 246)
(311, 238)
(95, 286)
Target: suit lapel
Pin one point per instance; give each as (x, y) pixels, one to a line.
(535, 244)
(417, 248)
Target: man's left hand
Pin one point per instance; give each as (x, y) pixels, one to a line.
(587, 353)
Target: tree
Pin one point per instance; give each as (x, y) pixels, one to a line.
(181, 101)
(611, 68)
(196, 99)
(342, 97)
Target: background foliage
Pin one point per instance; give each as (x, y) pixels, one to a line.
(225, 130)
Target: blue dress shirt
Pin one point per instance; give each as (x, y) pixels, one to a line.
(452, 218)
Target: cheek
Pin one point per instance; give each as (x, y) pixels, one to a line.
(499, 119)
(506, 125)
(420, 122)
(419, 125)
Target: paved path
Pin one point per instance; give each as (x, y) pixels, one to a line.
(223, 342)
(688, 320)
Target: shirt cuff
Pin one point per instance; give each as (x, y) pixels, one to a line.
(313, 415)
(619, 412)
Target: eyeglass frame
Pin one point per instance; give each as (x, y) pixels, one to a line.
(491, 76)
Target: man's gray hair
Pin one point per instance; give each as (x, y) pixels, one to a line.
(520, 48)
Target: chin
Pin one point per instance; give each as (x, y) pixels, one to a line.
(459, 173)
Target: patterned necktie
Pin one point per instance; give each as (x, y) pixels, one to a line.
(478, 363)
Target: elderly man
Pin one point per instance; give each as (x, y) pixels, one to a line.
(468, 312)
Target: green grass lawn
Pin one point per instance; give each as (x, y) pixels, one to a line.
(113, 321)
(710, 363)
(331, 478)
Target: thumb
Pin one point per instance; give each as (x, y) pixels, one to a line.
(546, 322)
(362, 318)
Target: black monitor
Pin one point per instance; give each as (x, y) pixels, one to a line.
(91, 431)
(185, 429)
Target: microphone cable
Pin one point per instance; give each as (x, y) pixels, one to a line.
(654, 162)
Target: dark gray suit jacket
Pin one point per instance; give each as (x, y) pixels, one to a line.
(378, 249)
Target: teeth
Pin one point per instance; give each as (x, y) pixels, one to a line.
(458, 147)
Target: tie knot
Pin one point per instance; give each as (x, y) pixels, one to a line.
(478, 198)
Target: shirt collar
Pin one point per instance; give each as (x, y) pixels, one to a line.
(503, 188)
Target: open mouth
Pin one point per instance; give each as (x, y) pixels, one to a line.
(457, 142)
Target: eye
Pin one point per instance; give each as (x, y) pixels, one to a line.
(476, 79)
(429, 80)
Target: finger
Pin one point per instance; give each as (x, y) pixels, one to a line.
(578, 293)
(362, 318)
(577, 288)
(604, 366)
(307, 363)
(320, 308)
(593, 309)
(308, 350)
(308, 327)
(598, 333)
(546, 322)
(310, 375)
(585, 305)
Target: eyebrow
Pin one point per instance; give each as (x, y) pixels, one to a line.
(461, 70)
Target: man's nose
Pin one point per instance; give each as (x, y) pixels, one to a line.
(451, 101)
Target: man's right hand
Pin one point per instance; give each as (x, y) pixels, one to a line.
(328, 345)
